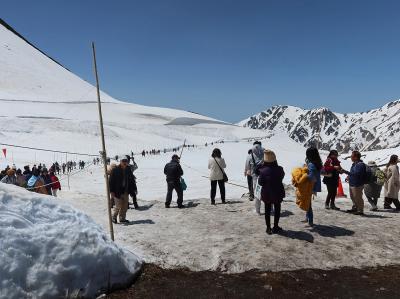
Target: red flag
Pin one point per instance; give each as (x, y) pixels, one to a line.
(5, 152)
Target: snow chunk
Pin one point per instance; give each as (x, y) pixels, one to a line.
(50, 250)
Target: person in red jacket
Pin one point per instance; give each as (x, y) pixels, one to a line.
(332, 170)
(55, 186)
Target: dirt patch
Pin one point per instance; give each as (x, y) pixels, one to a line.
(155, 282)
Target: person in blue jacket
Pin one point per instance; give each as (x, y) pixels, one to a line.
(357, 178)
(314, 165)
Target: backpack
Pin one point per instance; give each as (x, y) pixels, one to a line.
(368, 175)
(257, 165)
(380, 177)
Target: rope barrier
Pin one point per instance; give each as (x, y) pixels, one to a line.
(207, 177)
(48, 150)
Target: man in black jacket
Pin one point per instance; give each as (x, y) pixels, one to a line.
(122, 184)
(173, 171)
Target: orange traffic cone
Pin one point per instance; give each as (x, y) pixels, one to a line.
(340, 192)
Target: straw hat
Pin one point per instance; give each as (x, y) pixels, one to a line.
(269, 156)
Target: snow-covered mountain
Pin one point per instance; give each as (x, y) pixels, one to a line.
(43, 104)
(372, 130)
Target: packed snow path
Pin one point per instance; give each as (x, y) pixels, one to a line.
(232, 238)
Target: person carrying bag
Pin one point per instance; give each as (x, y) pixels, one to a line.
(216, 164)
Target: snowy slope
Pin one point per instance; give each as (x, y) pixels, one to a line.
(42, 104)
(372, 130)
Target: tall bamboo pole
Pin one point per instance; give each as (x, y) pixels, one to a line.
(103, 153)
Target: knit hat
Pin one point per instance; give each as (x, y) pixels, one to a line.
(269, 156)
(371, 163)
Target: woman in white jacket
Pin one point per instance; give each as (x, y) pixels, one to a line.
(392, 184)
(216, 164)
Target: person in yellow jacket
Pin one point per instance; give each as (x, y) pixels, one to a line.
(303, 186)
(308, 182)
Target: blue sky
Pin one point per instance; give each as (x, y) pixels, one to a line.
(226, 59)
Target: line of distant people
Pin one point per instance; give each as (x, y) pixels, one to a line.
(38, 179)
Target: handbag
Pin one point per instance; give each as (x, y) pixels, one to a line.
(225, 177)
(183, 184)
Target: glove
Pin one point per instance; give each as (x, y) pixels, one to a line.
(59, 188)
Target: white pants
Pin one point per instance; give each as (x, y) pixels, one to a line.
(54, 191)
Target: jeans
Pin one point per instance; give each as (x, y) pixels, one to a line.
(176, 185)
(221, 185)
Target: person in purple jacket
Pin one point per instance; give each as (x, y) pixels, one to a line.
(272, 189)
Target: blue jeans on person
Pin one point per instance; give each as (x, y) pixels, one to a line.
(310, 215)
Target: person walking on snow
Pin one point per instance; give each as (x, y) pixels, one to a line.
(173, 172)
(357, 177)
(331, 179)
(314, 165)
(373, 189)
(272, 191)
(121, 186)
(392, 185)
(216, 165)
(256, 160)
(247, 174)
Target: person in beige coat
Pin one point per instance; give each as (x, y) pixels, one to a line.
(392, 184)
(216, 165)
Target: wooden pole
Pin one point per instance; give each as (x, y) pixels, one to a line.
(184, 143)
(103, 143)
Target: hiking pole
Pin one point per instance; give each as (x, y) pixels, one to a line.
(103, 143)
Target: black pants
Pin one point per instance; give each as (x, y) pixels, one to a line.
(221, 185)
(277, 214)
(332, 192)
(389, 201)
(250, 184)
(372, 200)
(177, 187)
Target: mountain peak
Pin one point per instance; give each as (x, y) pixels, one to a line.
(375, 129)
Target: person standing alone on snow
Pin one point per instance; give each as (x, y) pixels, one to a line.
(256, 160)
(121, 186)
(392, 185)
(174, 172)
(332, 170)
(216, 164)
(247, 174)
(272, 191)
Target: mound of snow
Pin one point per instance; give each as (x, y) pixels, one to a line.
(50, 250)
